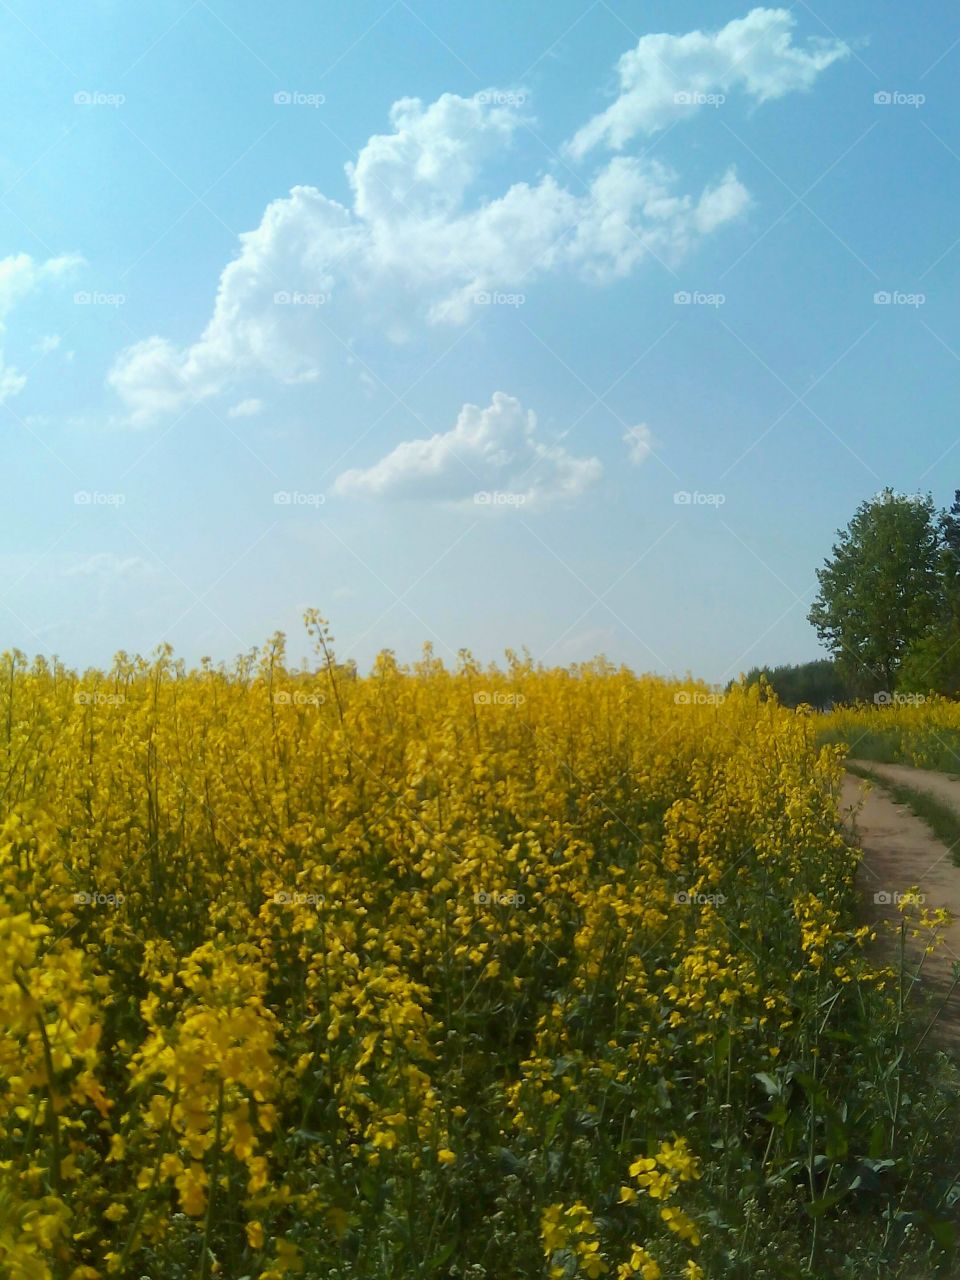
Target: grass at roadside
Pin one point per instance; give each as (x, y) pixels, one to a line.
(925, 733)
(942, 820)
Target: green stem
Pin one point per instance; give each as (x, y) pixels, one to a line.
(211, 1197)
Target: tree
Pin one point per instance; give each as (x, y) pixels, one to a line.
(881, 590)
(820, 684)
(933, 663)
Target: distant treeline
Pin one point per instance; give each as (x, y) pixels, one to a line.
(819, 684)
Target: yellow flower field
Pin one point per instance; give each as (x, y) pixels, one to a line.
(486, 972)
(899, 728)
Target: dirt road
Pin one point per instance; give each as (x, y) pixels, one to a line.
(900, 851)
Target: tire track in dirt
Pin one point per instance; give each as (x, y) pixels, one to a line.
(899, 851)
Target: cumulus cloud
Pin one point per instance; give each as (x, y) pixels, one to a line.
(245, 409)
(20, 275)
(639, 442)
(489, 451)
(415, 247)
(667, 77)
(425, 231)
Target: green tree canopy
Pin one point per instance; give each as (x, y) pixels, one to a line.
(882, 588)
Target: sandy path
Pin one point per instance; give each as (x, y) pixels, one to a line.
(942, 786)
(899, 851)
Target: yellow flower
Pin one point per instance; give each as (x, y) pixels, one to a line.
(639, 1264)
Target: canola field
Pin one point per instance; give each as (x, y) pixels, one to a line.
(910, 728)
(474, 972)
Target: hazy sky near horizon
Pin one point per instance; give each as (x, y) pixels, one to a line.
(578, 326)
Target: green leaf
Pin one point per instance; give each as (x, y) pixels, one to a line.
(773, 1086)
(817, 1208)
(442, 1255)
(945, 1233)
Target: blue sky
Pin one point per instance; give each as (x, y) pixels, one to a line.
(375, 308)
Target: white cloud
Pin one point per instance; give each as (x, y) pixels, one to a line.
(11, 382)
(245, 409)
(49, 342)
(414, 248)
(639, 442)
(20, 275)
(106, 564)
(489, 451)
(666, 77)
